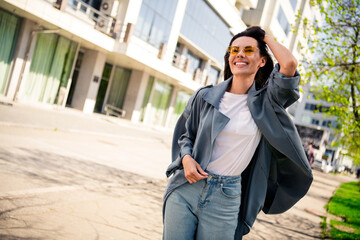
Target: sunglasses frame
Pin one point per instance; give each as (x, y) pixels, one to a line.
(248, 53)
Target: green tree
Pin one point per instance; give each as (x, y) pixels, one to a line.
(331, 61)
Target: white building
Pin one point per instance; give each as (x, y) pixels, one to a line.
(144, 57)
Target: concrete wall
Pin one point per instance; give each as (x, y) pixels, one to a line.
(135, 95)
(86, 87)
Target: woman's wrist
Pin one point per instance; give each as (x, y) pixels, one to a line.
(267, 38)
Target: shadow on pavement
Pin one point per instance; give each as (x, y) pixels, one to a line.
(49, 169)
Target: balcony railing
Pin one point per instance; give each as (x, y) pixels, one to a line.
(102, 21)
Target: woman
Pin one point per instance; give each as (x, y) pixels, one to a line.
(235, 150)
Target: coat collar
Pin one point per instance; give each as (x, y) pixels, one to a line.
(214, 94)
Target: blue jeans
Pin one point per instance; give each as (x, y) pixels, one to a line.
(207, 209)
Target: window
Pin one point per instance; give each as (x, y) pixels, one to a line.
(206, 29)
(306, 119)
(155, 20)
(283, 21)
(314, 107)
(9, 28)
(195, 62)
(293, 4)
(326, 123)
(315, 121)
(213, 75)
(310, 107)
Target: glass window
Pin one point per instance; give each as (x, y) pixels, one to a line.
(118, 87)
(146, 97)
(315, 121)
(180, 103)
(159, 103)
(9, 28)
(195, 62)
(206, 29)
(213, 76)
(283, 21)
(293, 4)
(103, 87)
(155, 20)
(310, 107)
(306, 119)
(327, 123)
(50, 68)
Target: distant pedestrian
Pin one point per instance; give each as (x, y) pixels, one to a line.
(235, 150)
(309, 151)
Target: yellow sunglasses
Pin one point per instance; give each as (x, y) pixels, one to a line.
(248, 50)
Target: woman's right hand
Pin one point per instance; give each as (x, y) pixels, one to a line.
(193, 170)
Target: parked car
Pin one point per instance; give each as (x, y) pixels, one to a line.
(322, 165)
(339, 168)
(317, 164)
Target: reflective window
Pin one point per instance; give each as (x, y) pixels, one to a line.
(180, 102)
(306, 119)
(213, 75)
(315, 121)
(159, 103)
(283, 21)
(194, 62)
(293, 3)
(326, 123)
(206, 29)
(155, 19)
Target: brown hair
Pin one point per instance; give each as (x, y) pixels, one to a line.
(263, 73)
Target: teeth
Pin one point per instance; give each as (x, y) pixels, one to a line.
(240, 63)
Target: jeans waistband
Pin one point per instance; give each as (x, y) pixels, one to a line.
(212, 177)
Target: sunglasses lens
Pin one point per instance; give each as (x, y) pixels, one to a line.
(233, 50)
(248, 50)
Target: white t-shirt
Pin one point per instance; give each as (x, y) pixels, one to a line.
(236, 143)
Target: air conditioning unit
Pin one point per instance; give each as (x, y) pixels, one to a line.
(104, 24)
(109, 7)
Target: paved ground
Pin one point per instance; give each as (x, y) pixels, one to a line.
(67, 175)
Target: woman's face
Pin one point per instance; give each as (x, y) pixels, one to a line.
(247, 60)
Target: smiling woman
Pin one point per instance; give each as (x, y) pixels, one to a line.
(235, 150)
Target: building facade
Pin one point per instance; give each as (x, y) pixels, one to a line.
(140, 58)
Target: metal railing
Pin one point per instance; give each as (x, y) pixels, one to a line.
(103, 22)
(113, 28)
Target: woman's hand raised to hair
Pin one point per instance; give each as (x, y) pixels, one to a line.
(193, 170)
(285, 58)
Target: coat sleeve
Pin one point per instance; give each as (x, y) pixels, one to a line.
(185, 132)
(284, 90)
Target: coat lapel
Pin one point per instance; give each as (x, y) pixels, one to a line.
(213, 97)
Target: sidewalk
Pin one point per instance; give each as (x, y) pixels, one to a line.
(68, 175)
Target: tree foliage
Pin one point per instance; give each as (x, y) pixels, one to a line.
(331, 60)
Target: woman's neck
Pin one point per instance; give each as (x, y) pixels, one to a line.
(240, 85)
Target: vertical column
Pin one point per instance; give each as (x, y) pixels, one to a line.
(20, 58)
(88, 81)
(176, 26)
(171, 106)
(205, 70)
(128, 14)
(135, 95)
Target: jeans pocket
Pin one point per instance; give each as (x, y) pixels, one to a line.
(232, 190)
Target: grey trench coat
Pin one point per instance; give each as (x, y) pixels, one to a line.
(278, 175)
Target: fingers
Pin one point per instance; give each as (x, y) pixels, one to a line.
(193, 171)
(201, 171)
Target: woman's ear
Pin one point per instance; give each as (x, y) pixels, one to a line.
(262, 62)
